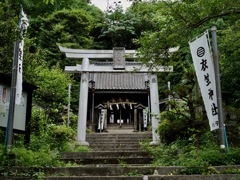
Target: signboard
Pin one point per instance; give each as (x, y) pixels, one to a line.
(118, 58)
(204, 68)
(20, 110)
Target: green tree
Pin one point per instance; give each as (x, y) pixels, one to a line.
(229, 56)
(52, 93)
(68, 28)
(79, 22)
(8, 25)
(120, 28)
(174, 24)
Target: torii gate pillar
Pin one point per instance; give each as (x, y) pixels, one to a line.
(83, 100)
(155, 112)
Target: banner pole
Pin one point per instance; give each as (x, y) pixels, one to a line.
(218, 87)
(12, 98)
(17, 67)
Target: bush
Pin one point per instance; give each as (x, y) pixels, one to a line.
(59, 137)
(42, 157)
(197, 170)
(183, 153)
(234, 156)
(25, 157)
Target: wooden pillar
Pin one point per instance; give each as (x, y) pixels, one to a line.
(135, 120)
(92, 107)
(139, 121)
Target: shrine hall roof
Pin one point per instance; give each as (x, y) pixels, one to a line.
(119, 81)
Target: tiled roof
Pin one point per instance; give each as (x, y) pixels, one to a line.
(119, 81)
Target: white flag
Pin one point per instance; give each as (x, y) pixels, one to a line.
(204, 68)
(23, 24)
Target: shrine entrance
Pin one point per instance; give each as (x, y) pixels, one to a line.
(118, 100)
(128, 117)
(120, 114)
(123, 113)
(115, 90)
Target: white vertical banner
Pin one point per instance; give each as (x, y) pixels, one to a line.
(19, 74)
(22, 26)
(204, 68)
(101, 119)
(145, 118)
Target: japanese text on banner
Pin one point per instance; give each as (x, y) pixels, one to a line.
(23, 25)
(204, 68)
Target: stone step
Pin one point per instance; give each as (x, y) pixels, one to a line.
(136, 141)
(137, 138)
(130, 129)
(100, 171)
(116, 140)
(143, 177)
(116, 172)
(104, 149)
(123, 143)
(136, 134)
(114, 146)
(104, 141)
(100, 154)
(146, 133)
(91, 170)
(118, 126)
(110, 160)
(160, 177)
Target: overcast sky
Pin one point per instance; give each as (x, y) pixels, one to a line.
(102, 4)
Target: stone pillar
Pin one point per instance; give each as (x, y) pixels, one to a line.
(83, 102)
(155, 112)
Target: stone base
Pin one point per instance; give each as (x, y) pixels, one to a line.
(82, 143)
(154, 143)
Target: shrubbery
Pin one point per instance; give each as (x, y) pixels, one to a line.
(185, 153)
(47, 142)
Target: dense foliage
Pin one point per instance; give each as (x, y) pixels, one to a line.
(173, 24)
(195, 159)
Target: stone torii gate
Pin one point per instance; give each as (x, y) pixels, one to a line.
(117, 54)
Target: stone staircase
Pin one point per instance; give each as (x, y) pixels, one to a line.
(117, 156)
(112, 156)
(112, 149)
